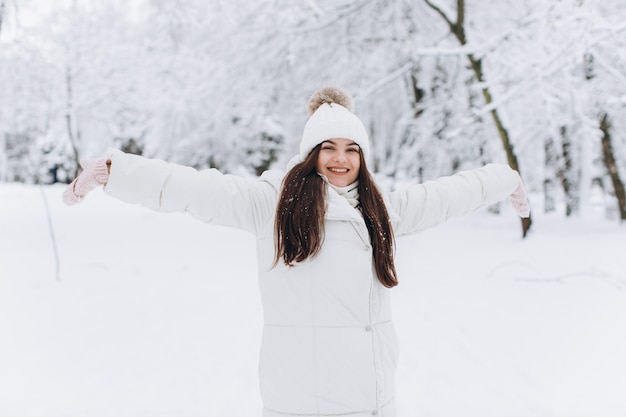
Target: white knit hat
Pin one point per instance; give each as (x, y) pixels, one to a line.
(332, 118)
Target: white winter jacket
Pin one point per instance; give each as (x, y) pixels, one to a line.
(329, 347)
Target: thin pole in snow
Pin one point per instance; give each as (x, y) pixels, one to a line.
(55, 250)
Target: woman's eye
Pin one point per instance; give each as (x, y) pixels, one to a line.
(353, 150)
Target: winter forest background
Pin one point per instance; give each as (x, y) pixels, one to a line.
(110, 310)
(441, 86)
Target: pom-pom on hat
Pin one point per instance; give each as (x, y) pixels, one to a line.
(331, 117)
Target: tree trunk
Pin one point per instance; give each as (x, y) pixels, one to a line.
(570, 180)
(3, 150)
(1, 14)
(611, 165)
(69, 110)
(549, 204)
(458, 30)
(415, 96)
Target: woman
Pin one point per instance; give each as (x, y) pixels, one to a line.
(325, 240)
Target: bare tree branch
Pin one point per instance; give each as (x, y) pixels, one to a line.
(327, 23)
(441, 13)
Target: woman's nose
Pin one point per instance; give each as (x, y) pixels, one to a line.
(340, 156)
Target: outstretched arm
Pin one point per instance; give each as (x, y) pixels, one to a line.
(208, 194)
(425, 205)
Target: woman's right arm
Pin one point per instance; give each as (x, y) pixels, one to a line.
(209, 195)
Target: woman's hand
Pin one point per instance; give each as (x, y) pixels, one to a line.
(519, 200)
(95, 172)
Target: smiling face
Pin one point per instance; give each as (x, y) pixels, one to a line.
(339, 160)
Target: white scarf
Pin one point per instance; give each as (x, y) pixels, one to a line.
(349, 192)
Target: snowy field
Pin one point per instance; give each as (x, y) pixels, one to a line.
(156, 315)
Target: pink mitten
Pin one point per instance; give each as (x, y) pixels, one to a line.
(519, 200)
(95, 172)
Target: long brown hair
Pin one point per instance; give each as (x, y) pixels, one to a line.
(299, 224)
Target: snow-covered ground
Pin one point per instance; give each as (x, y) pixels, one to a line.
(157, 315)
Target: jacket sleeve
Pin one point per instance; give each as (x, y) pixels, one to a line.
(425, 205)
(209, 195)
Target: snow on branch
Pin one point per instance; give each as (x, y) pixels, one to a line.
(341, 15)
(387, 79)
(609, 68)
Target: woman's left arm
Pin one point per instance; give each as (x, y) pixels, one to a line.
(425, 205)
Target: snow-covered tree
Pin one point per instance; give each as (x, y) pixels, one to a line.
(441, 85)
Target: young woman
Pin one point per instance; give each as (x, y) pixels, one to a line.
(325, 245)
